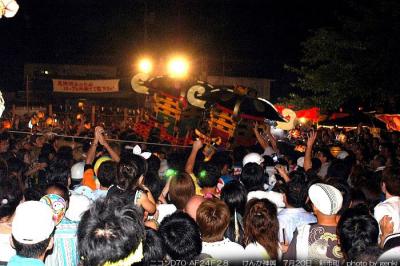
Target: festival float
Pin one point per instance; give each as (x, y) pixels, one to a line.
(182, 108)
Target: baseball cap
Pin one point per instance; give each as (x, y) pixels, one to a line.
(78, 204)
(326, 198)
(32, 223)
(300, 161)
(57, 205)
(77, 171)
(253, 158)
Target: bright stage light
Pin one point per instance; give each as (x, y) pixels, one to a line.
(145, 66)
(178, 67)
(303, 120)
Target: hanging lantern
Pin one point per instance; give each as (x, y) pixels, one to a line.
(49, 121)
(7, 124)
(87, 125)
(40, 115)
(335, 150)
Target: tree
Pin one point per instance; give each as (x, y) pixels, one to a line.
(357, 61)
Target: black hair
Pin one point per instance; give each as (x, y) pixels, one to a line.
(106, 173)
(153, 182)
(31, 250)
(339, 170)
(64, 156)
(153, 250)
(10, 196)
(109, 231)
(130, 168)
(222, 158)
(391, 178)
(15, 165)
(370, 254)
(235, 196)
(325, 152)
(296, 190)
(3, 169)
(252, 177)
(176, 161)
(33, 193)
(153, 163)
(316, 164)
(238, 154)
(180, 236)
(61, 188)
(208, 176)
(58, 172)
(357, 230)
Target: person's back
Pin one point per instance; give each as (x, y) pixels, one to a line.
(391, 206)
(65, 239)
(319, 242)
(294, 214)
(213, 219)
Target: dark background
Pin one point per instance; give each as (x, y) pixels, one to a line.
(242, 38)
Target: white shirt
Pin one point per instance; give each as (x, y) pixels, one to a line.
(390, 207)
(6, 251)
(290, 219)
(224, 250)
(164, 210)
(274, 197)
(254, 251)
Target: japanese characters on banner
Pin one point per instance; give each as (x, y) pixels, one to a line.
(85, 86)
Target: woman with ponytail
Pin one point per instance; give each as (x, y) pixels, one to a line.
(261, 228)
(131, 170)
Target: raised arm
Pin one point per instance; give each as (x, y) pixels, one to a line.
(197, 145)
(264, 144)
(308, 155)
(92, 150)
(114, 156)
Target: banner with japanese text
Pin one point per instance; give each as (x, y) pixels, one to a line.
(85, 86)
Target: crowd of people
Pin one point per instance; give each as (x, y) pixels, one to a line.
(66, 201)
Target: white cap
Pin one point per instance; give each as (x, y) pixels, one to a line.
(78, 204)
(253, 158)
(326, 198)
(32, 223)
(342, 155)
(77, 171)
(300, 161)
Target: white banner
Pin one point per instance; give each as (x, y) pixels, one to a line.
(85, 86)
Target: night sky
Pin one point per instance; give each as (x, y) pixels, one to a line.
(253, 38)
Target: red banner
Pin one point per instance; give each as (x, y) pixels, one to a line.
(85, 86)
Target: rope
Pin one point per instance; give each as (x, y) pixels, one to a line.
(88, 138)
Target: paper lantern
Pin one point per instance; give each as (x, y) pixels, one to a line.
(335, 150)
(40, 115)
(6, 124)
(8, 8)
(49, 121)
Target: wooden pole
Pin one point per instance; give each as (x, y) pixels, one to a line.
(50, 110)
(93, 117)
(125, 116)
